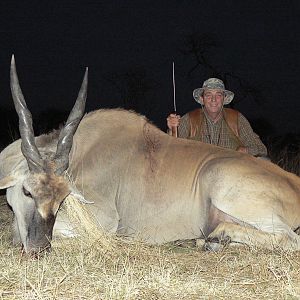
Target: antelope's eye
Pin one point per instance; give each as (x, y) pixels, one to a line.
(26, 193)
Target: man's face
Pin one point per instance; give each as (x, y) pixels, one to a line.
(213, 100)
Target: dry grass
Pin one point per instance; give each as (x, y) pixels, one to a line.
(104, 267)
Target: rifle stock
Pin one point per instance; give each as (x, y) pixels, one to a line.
(175, 131)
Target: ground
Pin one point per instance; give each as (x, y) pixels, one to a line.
(111, 268)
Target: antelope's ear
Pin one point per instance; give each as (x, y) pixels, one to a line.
(8, 181)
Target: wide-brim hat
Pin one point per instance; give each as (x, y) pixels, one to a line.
(213, 83)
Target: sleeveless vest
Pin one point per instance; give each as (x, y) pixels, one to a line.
(231, 119)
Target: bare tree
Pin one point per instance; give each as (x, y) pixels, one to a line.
(199, 47)
(132, 85)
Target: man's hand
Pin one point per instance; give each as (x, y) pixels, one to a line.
(173, 121)
(242, 149)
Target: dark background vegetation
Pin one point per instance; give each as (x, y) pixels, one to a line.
(129, 47)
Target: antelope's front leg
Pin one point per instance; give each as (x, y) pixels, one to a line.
(226, 233)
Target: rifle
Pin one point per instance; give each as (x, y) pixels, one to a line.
(174, 128)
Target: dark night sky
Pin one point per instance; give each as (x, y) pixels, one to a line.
(258, 41)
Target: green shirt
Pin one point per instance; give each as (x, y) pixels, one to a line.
(220, 134)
